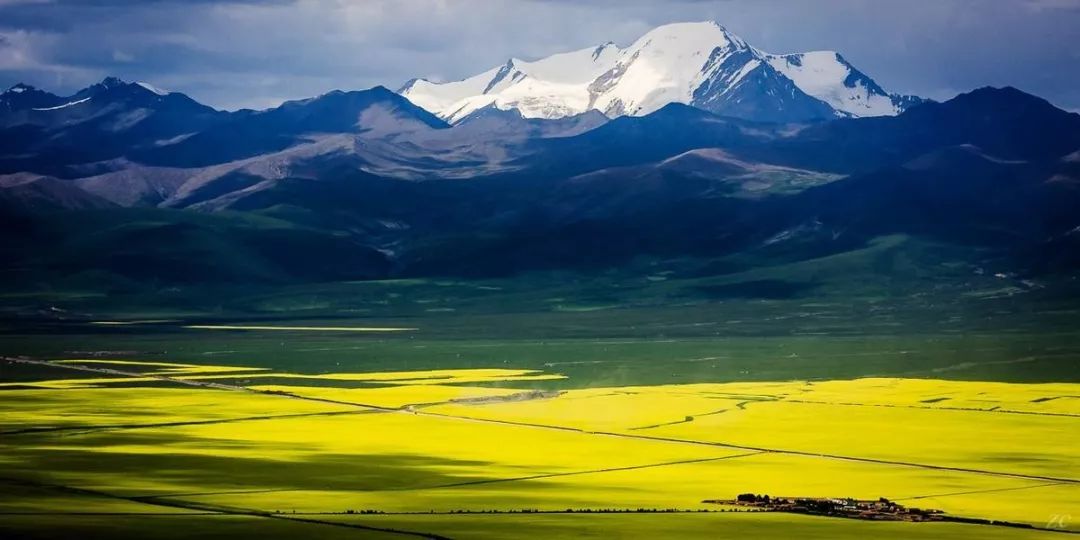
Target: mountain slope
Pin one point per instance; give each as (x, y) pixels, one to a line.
(124, 246)
(828, 77)
(1005, 122)
(249, 133)
(511, 123)
(23, 97)
(104, 121)
(700, 64)
(631, 140)
(351, 185)
(25, 191)
(959, 194)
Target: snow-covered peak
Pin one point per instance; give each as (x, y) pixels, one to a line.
(551, 87)
(690, 36)
(696, 63)
(664, 66)
(825, 75)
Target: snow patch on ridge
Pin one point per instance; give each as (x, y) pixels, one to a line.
(64, 106)
(152, 88)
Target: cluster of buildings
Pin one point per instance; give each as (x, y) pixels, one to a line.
(881, 509)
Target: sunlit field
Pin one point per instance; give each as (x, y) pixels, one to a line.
(546, 406)
(484, 453)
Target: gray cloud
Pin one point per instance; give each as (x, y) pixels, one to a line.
(257, 53)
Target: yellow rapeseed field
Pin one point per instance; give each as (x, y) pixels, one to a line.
(407, 442)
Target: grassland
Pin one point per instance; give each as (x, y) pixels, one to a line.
(419, 449)
(897, 308)
(894, 370)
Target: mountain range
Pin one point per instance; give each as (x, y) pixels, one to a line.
(125, 185)
(700, 64)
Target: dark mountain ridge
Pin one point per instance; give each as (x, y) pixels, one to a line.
(248, 133)
(370, 178)
(1004, 122)
(101, 122)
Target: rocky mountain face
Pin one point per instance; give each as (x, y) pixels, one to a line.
(699, 64)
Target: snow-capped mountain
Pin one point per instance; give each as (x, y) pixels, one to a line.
(700, 64)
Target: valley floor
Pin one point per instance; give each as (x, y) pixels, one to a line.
(146, 448)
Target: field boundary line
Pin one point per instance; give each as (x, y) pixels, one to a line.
(928, 408)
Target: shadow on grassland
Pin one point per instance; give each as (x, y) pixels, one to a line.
(179, 465)
(767, 289)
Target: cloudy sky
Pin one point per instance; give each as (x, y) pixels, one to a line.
(252, 53)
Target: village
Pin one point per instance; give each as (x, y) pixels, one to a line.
(881, 509)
